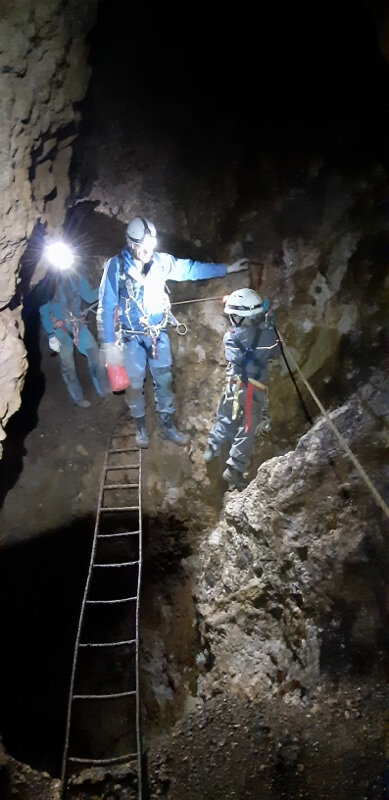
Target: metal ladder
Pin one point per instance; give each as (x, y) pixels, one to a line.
(103, 716)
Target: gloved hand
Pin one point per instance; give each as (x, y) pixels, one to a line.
(270, 319)
(113, 356)
(238, 266)
(54, 344)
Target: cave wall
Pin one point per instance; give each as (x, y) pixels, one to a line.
(44, 74)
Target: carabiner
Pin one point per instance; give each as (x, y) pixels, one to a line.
(181, 328)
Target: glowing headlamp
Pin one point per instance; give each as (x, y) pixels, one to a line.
(60, 255)
(149, 240)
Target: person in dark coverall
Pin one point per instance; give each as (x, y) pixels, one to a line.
(242, 409)
(64, 321)
(133, 314)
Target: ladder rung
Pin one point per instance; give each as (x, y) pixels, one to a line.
(103, 696)
(119, 508)
(121, 450)
(107, 644)
(120, 486)
(110, 602)
(111, 535)
(102, 761)
(132, 449)
(122, 564)
(123, 466)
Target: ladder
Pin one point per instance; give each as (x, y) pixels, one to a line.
(103, 715)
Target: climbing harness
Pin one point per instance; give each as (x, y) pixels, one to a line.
(251, 384)
(153, 331)
(76, 323)
(108, 628)
(235, 385)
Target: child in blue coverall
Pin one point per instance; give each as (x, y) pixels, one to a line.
(249, 346)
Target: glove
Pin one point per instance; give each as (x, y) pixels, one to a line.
(112, 355)
(54, 344)
(238, 266)
(270, 319)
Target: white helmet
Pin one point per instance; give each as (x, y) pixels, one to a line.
(138, 228)
(243, 303)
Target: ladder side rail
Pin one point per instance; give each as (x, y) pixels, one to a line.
(137, 681)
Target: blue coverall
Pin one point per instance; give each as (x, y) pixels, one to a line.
(63, 317)
(236, 423)
(131, 301)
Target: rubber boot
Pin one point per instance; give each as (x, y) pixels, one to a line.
(141, 438)
(169, 431)
(82, 403)
(234, 478)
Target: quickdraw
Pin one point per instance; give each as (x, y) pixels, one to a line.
(70, 320)
(75, 322)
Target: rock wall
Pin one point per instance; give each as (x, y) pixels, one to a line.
(44, 74)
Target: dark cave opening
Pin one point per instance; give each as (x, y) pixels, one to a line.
(293, 82)
(42, 584)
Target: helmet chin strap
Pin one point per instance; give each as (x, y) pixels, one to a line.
(235, 320)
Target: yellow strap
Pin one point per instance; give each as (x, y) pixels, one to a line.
(235, 402)
(258, 384)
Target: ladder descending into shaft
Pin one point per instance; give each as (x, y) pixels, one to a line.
(103, 716)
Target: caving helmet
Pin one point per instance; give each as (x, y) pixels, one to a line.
(243, 303)
(141, 238)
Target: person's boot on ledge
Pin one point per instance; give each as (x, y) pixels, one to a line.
(141, 438)
(169, 431)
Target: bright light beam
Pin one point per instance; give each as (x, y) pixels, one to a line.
(60, 255)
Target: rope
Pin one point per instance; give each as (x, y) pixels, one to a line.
(353, 458)
(196, 300)
(304, 407)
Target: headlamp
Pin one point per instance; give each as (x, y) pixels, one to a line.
(60, 255)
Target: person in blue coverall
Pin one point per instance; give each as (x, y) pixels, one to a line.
(133, 314)
(249, 346)
(64, 322)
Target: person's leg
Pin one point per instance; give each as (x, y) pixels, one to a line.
(88, 347)
(68, 371)
(161, 372)
(223, 429)
(135, 362)
(242, 445)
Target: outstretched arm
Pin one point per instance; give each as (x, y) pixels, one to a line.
(184, 269)
(238, 266)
